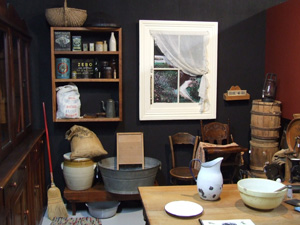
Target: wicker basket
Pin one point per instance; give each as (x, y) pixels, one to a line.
(66, 17)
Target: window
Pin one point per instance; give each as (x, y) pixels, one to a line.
(178, 70)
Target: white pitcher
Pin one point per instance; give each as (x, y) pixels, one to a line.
(210, 179)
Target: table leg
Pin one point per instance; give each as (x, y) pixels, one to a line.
(145, 217)
(73, 205)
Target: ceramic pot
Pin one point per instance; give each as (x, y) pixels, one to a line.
(210, 179)
(78, 173)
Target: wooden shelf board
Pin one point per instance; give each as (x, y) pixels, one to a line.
(87, 80)
(235, 98)
(99, 119)
(85, 53)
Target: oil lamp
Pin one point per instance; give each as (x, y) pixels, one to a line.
(269, 89)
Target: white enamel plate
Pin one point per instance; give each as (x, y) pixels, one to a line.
(183, 208)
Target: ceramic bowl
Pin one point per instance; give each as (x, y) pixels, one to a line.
(103, 210)
(78, 173)
(259, 193)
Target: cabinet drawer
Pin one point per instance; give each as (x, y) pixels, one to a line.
(16, 181)
(36, 153)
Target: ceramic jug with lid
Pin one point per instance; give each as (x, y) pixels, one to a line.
(209, 180)
(110, 108)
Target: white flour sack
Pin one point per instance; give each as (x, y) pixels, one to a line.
(68, 102)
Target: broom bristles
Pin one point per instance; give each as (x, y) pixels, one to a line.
(56, 206)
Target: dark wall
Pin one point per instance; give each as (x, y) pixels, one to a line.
(241, 53)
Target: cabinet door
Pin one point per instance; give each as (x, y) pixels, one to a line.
(3, 210)
(5, 125)
(19, 210)
(37, 182)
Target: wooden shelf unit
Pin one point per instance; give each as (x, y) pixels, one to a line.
(114, 86)
(226, 97)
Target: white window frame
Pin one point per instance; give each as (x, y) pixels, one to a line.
(175, 111)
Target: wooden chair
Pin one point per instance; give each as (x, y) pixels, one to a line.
(177, 141)
(219, 133)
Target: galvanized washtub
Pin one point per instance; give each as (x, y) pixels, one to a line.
(127, 179)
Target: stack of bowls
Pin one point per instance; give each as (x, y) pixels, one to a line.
(78, 173)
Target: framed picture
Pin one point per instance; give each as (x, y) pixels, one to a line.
(178, 70)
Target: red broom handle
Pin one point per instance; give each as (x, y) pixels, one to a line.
(48, 144)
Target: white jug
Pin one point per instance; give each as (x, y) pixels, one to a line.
(210, 179)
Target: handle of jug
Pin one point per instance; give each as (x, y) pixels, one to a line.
(190, 166)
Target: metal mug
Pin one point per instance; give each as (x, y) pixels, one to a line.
(110, 108)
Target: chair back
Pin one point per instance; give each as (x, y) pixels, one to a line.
(182, 138)
(215, 133)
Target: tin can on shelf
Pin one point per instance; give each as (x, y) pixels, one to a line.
(99, 46)
(85, 47)
(76, 43)
(62, 68)
(74, 74)
(92, 47)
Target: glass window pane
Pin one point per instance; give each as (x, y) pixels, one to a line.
(166, 86)
(25, 80)
(160, 60)
(3, 93)
(189, 86)
(17, 94)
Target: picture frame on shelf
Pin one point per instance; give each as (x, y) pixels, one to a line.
(178, 70)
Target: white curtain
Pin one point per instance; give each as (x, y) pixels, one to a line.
(186, 51)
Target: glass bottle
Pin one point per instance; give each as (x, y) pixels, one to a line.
(112, 42)
(105, 46)
(97, 71)
(113, 66)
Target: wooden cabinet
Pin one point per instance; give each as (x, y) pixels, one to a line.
(93, 88)
(22, 182)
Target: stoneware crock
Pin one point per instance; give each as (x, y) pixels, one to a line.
(78, 173)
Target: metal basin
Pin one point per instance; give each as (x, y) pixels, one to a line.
(127, 179)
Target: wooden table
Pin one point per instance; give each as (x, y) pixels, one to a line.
(229, 206)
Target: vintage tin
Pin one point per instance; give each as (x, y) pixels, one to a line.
(92, 47)
(62, 68)
(62, 41)
(85, 47)
(99, 46)
(84, 68)
(76, 41)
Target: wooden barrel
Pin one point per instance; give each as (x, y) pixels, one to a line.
(262, 151)
(258, 174)
(265, 119)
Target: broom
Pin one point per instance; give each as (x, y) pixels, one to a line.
(56, 206)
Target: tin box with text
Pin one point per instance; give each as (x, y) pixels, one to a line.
(84, 68)
(62, 41)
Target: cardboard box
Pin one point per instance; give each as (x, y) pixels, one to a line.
(84, 68)
(62, 41)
